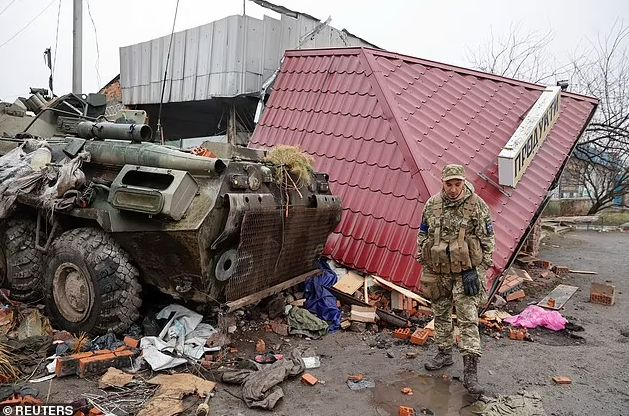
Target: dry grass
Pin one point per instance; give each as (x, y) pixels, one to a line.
(609, 217)
(82, 344)
(291, 159)
(8, 373)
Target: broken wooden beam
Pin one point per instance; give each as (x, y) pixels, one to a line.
(401, 290)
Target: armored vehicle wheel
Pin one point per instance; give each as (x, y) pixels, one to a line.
(22, 263)
(90, 284)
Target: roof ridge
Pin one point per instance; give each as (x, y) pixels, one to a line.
(387, 109)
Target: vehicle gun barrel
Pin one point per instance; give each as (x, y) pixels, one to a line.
(149, 154)
(105, 130)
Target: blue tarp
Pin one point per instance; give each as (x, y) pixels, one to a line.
(319, 300)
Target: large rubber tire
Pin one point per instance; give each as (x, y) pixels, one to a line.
(90, 284)
(24, 263)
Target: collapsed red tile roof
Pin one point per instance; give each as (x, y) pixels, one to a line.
(383, 125)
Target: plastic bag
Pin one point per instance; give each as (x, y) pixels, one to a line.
(534, 316)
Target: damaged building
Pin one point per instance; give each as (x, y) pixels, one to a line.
(217, 72)
(383, 125)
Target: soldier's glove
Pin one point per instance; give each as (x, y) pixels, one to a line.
(471, 284)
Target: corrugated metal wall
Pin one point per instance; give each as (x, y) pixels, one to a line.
(225, 58)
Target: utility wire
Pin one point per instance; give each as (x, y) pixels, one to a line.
(6, 7)
(97, 64)
(54, 61)
(161, 100)
(27, 25)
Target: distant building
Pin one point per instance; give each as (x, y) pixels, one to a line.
(583, 175)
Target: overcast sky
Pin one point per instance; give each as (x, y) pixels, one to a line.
(441, 30)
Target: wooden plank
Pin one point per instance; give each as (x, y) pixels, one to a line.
(401, 290)
(582, 272)
(350, 283)
(363, 314)
(560, 295)
(255, 297)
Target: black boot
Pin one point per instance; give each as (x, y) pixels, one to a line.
(470, 374)
(442, 359)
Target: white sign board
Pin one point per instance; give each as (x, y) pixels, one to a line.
(516, 156)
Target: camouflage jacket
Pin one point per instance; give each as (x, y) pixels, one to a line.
(480, 224)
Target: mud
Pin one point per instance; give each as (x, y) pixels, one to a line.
(596, 359)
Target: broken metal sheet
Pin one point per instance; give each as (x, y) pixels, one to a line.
(183, 336)
(561, 294)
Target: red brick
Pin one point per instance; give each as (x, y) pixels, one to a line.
(309, 379)
(99, 363)
(419, 337)
(516, 295)
(601, 299)
(70, 364)
(402, 333)
(562, 380)
(131, 342)
(603, 294)
(518, 334)
(407, 411)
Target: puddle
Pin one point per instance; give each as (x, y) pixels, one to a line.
(442, 396)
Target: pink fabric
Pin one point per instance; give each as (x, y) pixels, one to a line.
(534, 316)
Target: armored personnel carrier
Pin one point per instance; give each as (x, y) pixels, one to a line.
(90, 211)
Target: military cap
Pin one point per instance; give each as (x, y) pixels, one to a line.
(453, 172)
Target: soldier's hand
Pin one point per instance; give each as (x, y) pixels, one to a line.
(471, 284)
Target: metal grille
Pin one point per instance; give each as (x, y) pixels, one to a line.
(272, 251)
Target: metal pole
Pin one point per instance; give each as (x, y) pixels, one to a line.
(77, 47)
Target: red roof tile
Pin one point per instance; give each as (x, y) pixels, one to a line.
(383, 125)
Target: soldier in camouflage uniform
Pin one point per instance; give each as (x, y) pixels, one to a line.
(455, 246)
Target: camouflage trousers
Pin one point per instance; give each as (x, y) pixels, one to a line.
(446, 291)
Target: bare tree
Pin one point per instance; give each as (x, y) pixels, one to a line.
(604, 147)
(519, 55)
(601, 164)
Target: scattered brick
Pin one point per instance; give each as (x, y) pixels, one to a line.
(87, 363)
(518, 334)
(602, 293)
(562, 380)
(402, 333)
(407, 411)
(131, 342)
(309, 379)
(95, 412)
(260, 346)
(356, 377)
(510, 284)
(69, 365)
(407, 390)
(420, 336)
(516, 295)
